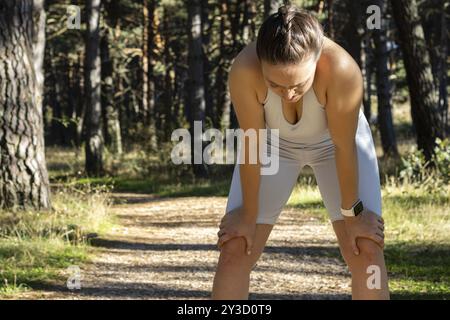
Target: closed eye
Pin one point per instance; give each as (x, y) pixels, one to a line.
(299, 89)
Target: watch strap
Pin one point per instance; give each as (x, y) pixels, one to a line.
(356, 209)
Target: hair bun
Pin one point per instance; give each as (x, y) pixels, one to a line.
(282, 10)
(283, 14)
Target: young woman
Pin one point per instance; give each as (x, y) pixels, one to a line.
(297, 80)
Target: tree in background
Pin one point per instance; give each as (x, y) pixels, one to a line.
(385, 121)
(23, 176)
(369, 49)
(39, 18)
(196, 93)
(148, 81)
(92, 78)
(150, 76)
(427, 120)
(434, 16)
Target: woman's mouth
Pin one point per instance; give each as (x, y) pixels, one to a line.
(295, 98)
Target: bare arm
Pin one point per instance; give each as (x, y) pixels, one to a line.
(250, 115)
(343, 104)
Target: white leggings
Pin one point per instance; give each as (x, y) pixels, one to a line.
(276, 189)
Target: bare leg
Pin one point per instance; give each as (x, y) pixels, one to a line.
(232, 277)
(363, 288)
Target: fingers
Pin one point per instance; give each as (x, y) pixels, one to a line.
(380, 235)
(249, 245)
(224, 219)
(377, 216)
(224, 238)
(378, 239)
(380, 230)
(355, 248)
(380, 222)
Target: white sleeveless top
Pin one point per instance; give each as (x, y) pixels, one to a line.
(312, 126)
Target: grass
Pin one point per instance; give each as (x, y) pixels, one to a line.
(161, 188)
(36, 247)
(33, 262)
(418, 270)
(306, 197)
(418, 241)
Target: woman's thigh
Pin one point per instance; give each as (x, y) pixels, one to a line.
(274, 190)
(323, 164)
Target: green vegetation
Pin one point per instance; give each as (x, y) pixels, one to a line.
(35, 247)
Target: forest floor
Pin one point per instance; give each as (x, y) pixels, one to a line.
(165, 248)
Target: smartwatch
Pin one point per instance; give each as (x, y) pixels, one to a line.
(356, 209)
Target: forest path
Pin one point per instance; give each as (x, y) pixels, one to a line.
(165, 248)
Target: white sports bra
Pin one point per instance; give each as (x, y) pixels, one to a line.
(312, 126)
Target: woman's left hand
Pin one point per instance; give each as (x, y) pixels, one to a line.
(367, 225)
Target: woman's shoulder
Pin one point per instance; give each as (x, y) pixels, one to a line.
(247, 68)
(337, 65)
(338, 75)
(247, 61)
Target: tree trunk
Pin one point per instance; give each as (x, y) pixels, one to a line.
(211, 111)
(248, 25)
(39, 18)
(81, 105)
(113, 135)
(196, 96)
(23, 176)
(148, 83)
(56, 128)
(170, 112)
(367, 69)
(223, 96)
(442, 75)
(385, 122)
(239, 29)
(145, 93)
(424, 101)
(94, 137)
(348, 27)
(72, 102)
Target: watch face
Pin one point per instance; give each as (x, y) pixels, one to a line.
(358, 208)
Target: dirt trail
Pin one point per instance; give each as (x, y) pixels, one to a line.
(166, 249)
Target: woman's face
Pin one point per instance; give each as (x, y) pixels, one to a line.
(290, 81)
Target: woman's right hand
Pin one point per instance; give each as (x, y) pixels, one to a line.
(236, 224)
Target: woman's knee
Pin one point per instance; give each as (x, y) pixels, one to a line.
(370, 253)
(369, 250)
(232, 253)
